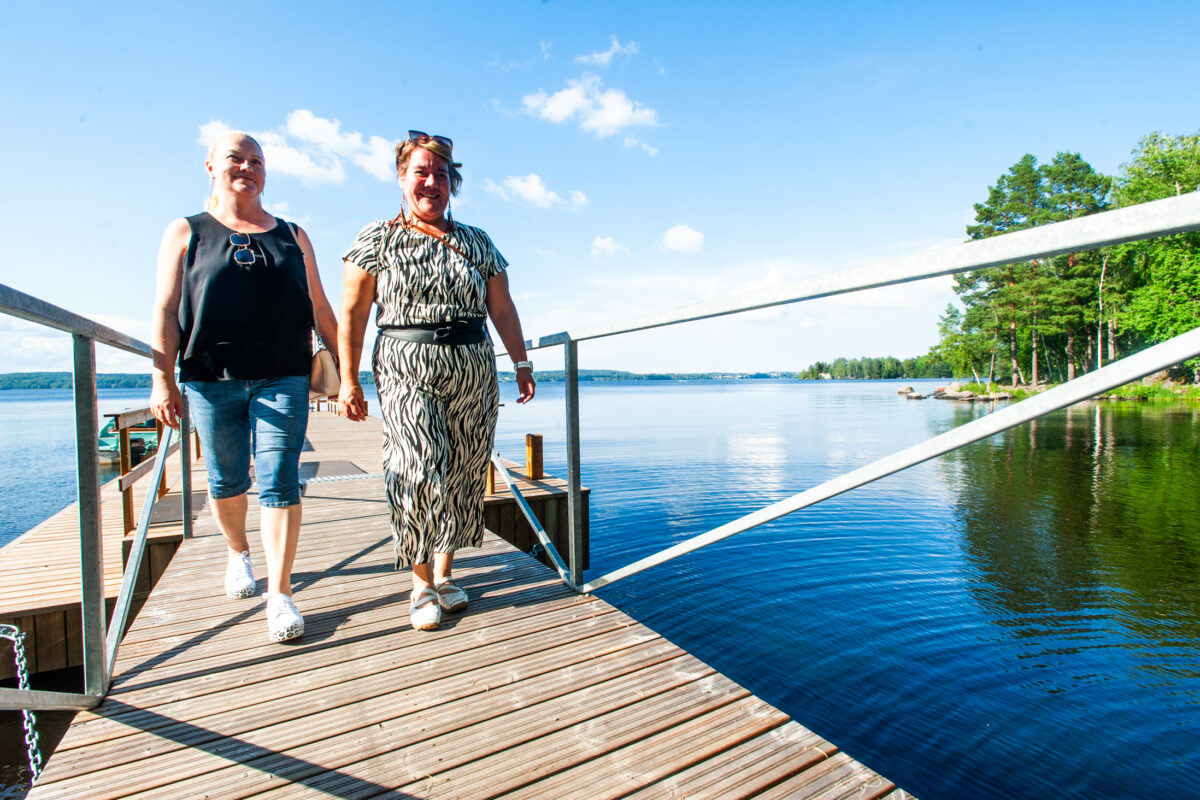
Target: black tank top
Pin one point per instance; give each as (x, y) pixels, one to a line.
(243, 321)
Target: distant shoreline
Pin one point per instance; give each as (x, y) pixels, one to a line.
(133, 380)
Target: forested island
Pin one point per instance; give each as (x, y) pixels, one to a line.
(1047, 320)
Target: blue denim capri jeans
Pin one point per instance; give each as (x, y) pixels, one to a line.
(273, 414)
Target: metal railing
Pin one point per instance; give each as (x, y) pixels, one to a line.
(531, 518)
(1148, 220)
(1158, 218)
(100, 640)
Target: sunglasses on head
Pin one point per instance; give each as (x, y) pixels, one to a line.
(421, 136)
(243, 255)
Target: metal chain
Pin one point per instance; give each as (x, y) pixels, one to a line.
(17, 637)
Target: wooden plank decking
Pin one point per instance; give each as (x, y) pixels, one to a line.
(39, 571)
(533, 692)
(40, 578)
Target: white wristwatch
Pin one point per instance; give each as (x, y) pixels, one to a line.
(523, 364)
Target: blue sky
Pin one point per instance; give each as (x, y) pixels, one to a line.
(625, 157)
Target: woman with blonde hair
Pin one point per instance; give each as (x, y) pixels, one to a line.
(237, 295)
(434, 281)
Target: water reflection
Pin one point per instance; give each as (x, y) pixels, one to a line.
(757, 456)
(1082, 522)
(1017, 619)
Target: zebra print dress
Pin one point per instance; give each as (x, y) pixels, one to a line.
(439, 402)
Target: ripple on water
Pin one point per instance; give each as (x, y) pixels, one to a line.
(1018, 619)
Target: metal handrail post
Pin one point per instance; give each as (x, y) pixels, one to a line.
(91, 543)
(137, 552)
(534, 523)
(185, 465)
(574, 478)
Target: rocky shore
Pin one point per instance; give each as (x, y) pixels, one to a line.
(1159, 386)
(955, 392)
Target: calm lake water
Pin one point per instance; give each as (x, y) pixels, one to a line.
(1017, 619)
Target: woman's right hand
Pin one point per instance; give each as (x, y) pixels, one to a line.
(166, 403)
(352, 402)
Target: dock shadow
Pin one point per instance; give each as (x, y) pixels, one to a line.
(304, 580)
(296, 771)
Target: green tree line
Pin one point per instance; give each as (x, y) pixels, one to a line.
(1049, 319)
(104, 380)
(930, 365)
(1046, 320)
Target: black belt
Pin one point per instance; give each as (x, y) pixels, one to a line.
(458, 331)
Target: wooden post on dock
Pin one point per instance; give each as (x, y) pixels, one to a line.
(491, 478)
(533, 456)
(125, 464)
(162, 483)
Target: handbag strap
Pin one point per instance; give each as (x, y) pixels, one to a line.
(318, 342)
(424, 227)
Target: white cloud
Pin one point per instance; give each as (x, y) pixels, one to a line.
(376, 155)
(683, 239)
(605, 58)
(607, 246)
(308, 166)
(601, 111)
(29, 347)
(507, 66)
(633, 141)
(315, 149)
(896, 320)
(532, 190)
(210, 130)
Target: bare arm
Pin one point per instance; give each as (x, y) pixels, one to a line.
(358, 293)
(165, 401)
(503, 312)
(326, 320)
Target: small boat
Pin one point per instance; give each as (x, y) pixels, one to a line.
(143, 441)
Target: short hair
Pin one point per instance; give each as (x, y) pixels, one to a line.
(212, 146)
(405, 149)
(211, 202)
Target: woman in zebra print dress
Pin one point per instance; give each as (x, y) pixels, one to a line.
(434, 281)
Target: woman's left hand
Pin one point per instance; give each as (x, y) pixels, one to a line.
(508, 325)
(526, 385)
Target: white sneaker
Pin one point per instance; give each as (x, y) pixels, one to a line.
(239, 576)
(283, 619)
(423, 611)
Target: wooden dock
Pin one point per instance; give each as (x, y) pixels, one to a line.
(533, 692)
(39, 571)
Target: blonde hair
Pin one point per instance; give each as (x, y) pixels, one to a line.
(211, 202)
(405, 149)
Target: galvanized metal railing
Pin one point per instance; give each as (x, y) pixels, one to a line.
(531, 518)
(1145, 221)
(100, 641)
